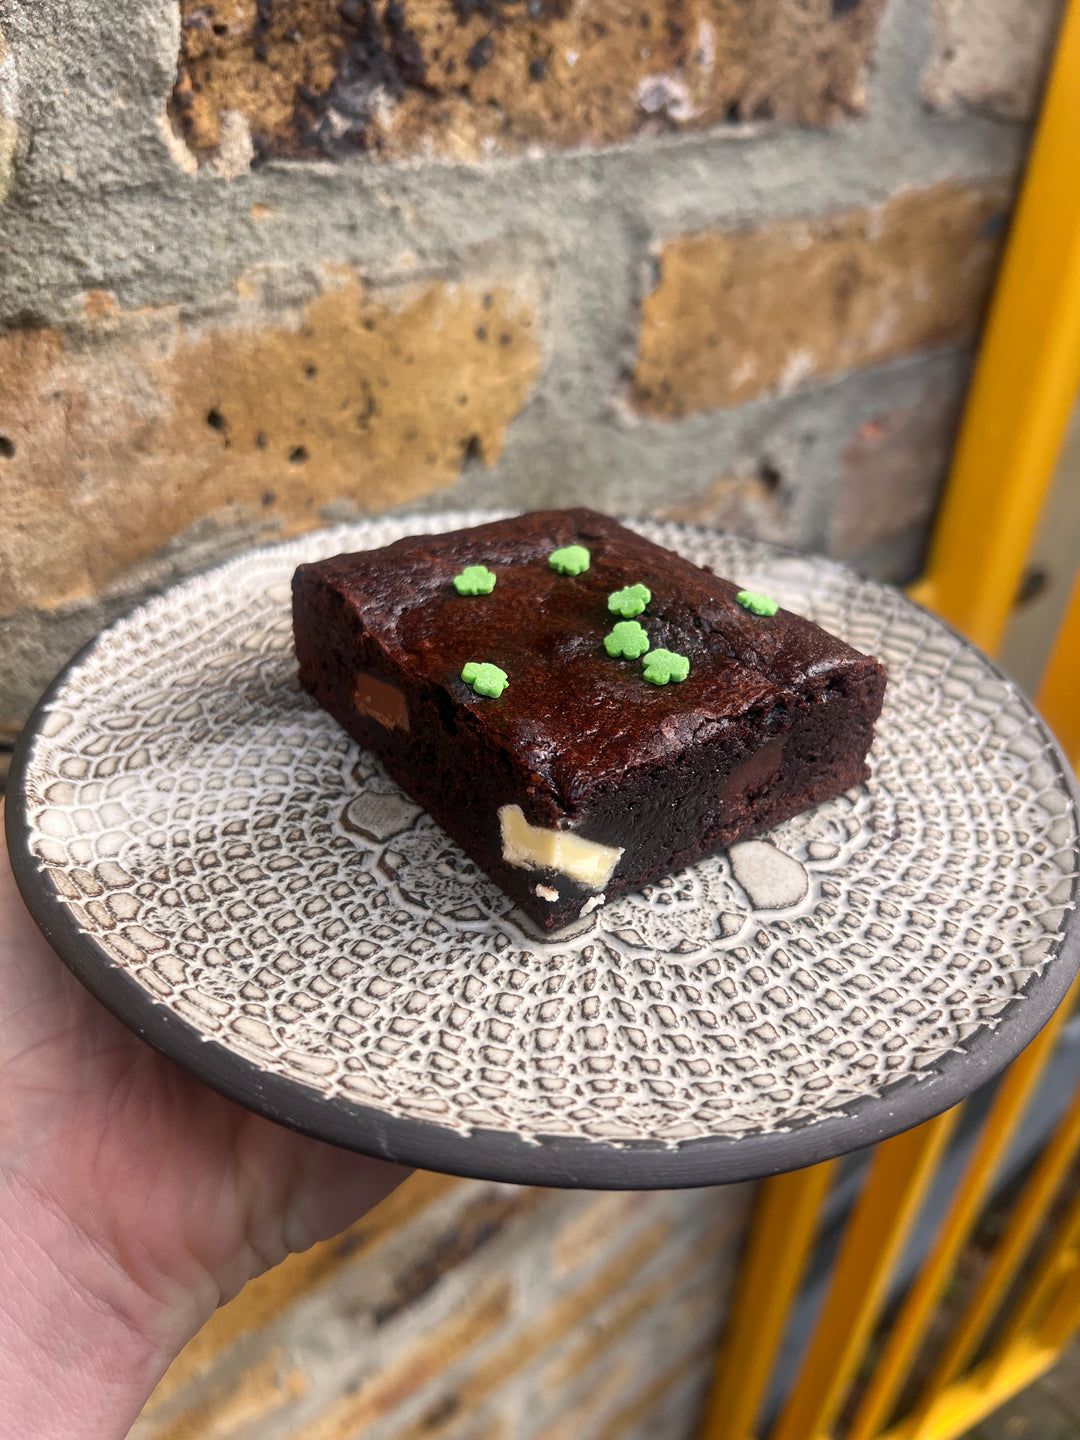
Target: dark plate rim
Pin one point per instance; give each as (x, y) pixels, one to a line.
(498, 1155)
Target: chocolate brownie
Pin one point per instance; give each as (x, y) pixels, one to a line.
(580, 709)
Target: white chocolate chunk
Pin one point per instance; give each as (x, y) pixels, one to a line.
(547, 892)
(534, 848)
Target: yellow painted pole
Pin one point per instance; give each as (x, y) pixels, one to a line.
(963, 1405)
(1034, 1310)
(902, 1169)
(1058, 699)
(1022, 1229)
(785, 1223)
(1025, 383)
(909, 1330)
(1063, 1318)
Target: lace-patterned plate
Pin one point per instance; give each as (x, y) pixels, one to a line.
(244, 887)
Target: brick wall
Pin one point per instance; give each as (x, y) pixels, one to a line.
(461, 1310)
(270, 263)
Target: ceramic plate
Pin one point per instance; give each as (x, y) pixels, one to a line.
(222, 866)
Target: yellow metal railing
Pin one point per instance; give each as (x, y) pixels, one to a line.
(1024, 388)
(1057, 698)
(901, 1172)
(1025, 381)
(781, 1239)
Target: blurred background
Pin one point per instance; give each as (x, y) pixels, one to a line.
(271, 264)
(267, 265)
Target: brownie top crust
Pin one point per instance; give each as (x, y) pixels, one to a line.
(575, 718)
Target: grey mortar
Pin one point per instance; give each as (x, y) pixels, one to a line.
(98, 202)
(625, 469)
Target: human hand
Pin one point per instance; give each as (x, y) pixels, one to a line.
(133, 1200)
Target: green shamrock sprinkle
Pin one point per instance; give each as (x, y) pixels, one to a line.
(485, 679)
(664, 665)
(630, 601)
(570, 560)
(627, 639)
(758, 604)
(474, 580)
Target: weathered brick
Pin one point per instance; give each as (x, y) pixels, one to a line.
(589, 1230)
(893, 467)
(635, 1415)
(739, 313)
(547, 1323)
(552, 1325)
(610, 1383)
(462, 79)
(586, 1328)
(630, 1377)
(122, 435)
(747, 502)
(659, 1297)
(265, 1299)
(991, 55)
(445, 1421)
(249, 1398)
(465, 1372)
(7, 117)
(435, 1354)
(481, 1221)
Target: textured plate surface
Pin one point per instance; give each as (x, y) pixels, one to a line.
(219, 862)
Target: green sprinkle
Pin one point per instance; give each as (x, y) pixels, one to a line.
(485, 679)
(664, 665)
(570, 560)
(630, 601)
(474, 580)
(628, 639)
(759, 604)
